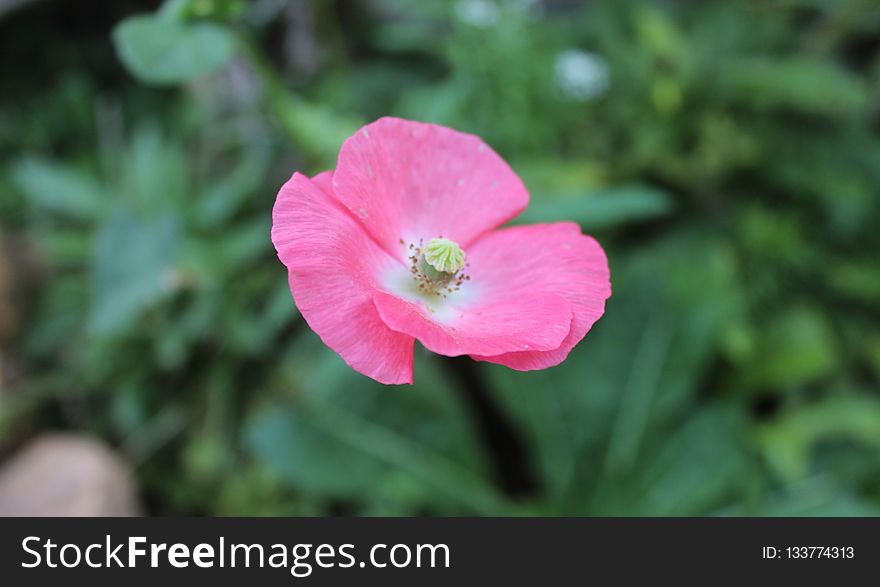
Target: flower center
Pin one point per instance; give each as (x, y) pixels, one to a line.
(437, 267)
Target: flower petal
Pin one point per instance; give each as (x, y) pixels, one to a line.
(529, 321)
(410, 180)
(327, 252)
(554, 258)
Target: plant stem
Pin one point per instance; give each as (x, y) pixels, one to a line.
(504, 446)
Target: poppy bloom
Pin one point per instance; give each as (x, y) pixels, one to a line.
(401, 242)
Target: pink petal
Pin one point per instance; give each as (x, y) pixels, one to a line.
(553, 258)
(498, 325)
(327, 253)
(410, 180)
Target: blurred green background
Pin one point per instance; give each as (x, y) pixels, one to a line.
(725, 153)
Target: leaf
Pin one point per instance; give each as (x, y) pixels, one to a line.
(317, 129)
(58, 189)
(826, 505)
(164, 51)
(601, 209)
(224, 197)
(345, 437)
(65, 246)
(699, 466)
(594, 422)
(817, 497)
(155, 172)
(795, 83)
(244, 244)
(132, 267)
(787, 443)
(794, 348)
(859, 279)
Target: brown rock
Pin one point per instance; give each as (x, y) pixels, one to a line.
(66, 475)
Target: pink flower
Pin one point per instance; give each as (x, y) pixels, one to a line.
(401, 242)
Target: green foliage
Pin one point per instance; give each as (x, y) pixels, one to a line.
(414, 454)
(605, 208)
(128, 279)
(56, 190)
(796, 347)
(789, 440)
(625, 432)
(160, 50)
(725, 154)
(791, 84)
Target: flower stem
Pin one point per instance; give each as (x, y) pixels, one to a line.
(504, 446)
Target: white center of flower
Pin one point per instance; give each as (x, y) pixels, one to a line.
(437, 267)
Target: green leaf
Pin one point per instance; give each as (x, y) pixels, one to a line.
(58, 189)
(225, 196)
(242, 244)
(601, 209)
(701, 465)
(796, 83)
(858, 279)
(345, 437)
(209, 9)
(132, 267)
(317, 129)
(814, 496)
(824, 504)
(787, 443)
(596, 420)
(164, 51)
(155, 174)
(794, 348)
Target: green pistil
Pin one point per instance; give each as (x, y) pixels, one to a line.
(443, 255)
(437, 267)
